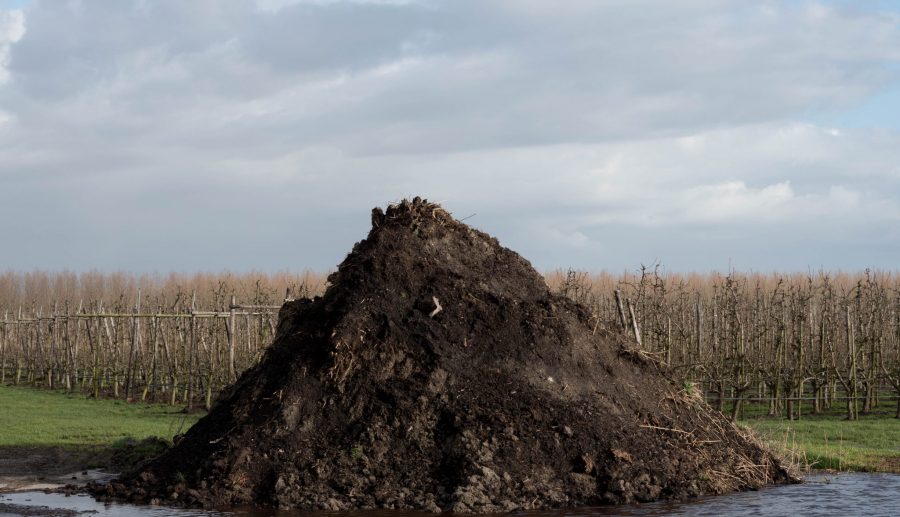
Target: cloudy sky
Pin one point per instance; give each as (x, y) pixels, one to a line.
(204, 135)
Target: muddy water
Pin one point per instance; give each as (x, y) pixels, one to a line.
(848, 494)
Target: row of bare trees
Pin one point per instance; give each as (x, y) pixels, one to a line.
(801, 342)
(797, 343)
(176, 338)
(42, 289)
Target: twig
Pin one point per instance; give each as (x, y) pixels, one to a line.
(666, 429)
(437, 307)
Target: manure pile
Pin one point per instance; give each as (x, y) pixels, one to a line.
(438, 372)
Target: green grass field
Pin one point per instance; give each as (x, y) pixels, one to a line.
(30, 417)
(871, 443)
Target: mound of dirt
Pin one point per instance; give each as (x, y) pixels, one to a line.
(439, 372)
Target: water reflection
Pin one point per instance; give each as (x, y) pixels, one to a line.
(874, 495)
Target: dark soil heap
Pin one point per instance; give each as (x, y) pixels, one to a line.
(439, 372)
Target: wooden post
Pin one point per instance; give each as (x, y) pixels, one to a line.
(634, 324)
(112, 362)
(172, 363)
(699, 319)
(69, 357)
(668, 340)
(232, 320)
(150, 389)
(20, 347)
(192, 346)
(95, 357)
(46, 357)
(851, 391)
(622, 319)
(135, 343)
(3, 347)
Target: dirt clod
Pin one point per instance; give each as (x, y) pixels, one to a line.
(438, 372)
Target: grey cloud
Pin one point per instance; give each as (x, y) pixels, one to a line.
(490, 74)
(156, 132)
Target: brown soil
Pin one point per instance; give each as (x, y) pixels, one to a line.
(41, 463)
(67, 468)
(510, 397)
(42, 468)
(889, 464)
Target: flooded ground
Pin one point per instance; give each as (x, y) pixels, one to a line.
(823, 494)
(39, 468)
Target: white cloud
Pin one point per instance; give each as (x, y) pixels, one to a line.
(12, 28)
(733, 201)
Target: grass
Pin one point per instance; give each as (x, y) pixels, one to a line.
(42, 418)
(871, 443)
